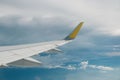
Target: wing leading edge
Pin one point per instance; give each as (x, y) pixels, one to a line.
(20, 55)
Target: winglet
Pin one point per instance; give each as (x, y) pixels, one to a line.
(74, 33)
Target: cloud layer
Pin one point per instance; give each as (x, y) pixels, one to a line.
(102, 16)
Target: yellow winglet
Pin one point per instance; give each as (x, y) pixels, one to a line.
(75, 32)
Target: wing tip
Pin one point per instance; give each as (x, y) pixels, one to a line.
(74, 32)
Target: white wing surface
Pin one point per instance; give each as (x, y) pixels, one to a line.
(20, 55)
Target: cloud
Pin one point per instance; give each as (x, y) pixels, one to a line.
(18, 29)
(85, 65)
(103, 68)
(68, 67)
(103, 17)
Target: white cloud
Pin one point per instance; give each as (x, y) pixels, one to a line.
(103, 68)
(85, 65)
(69, 67)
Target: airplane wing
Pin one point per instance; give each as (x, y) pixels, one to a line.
(20, 55)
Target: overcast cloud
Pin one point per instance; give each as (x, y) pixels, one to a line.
(101, 14)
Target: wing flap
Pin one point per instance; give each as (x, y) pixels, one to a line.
(55, 50)
(26, 62)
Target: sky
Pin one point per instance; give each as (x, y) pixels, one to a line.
(93, 55)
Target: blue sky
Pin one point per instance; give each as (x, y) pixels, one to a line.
(93, 55)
